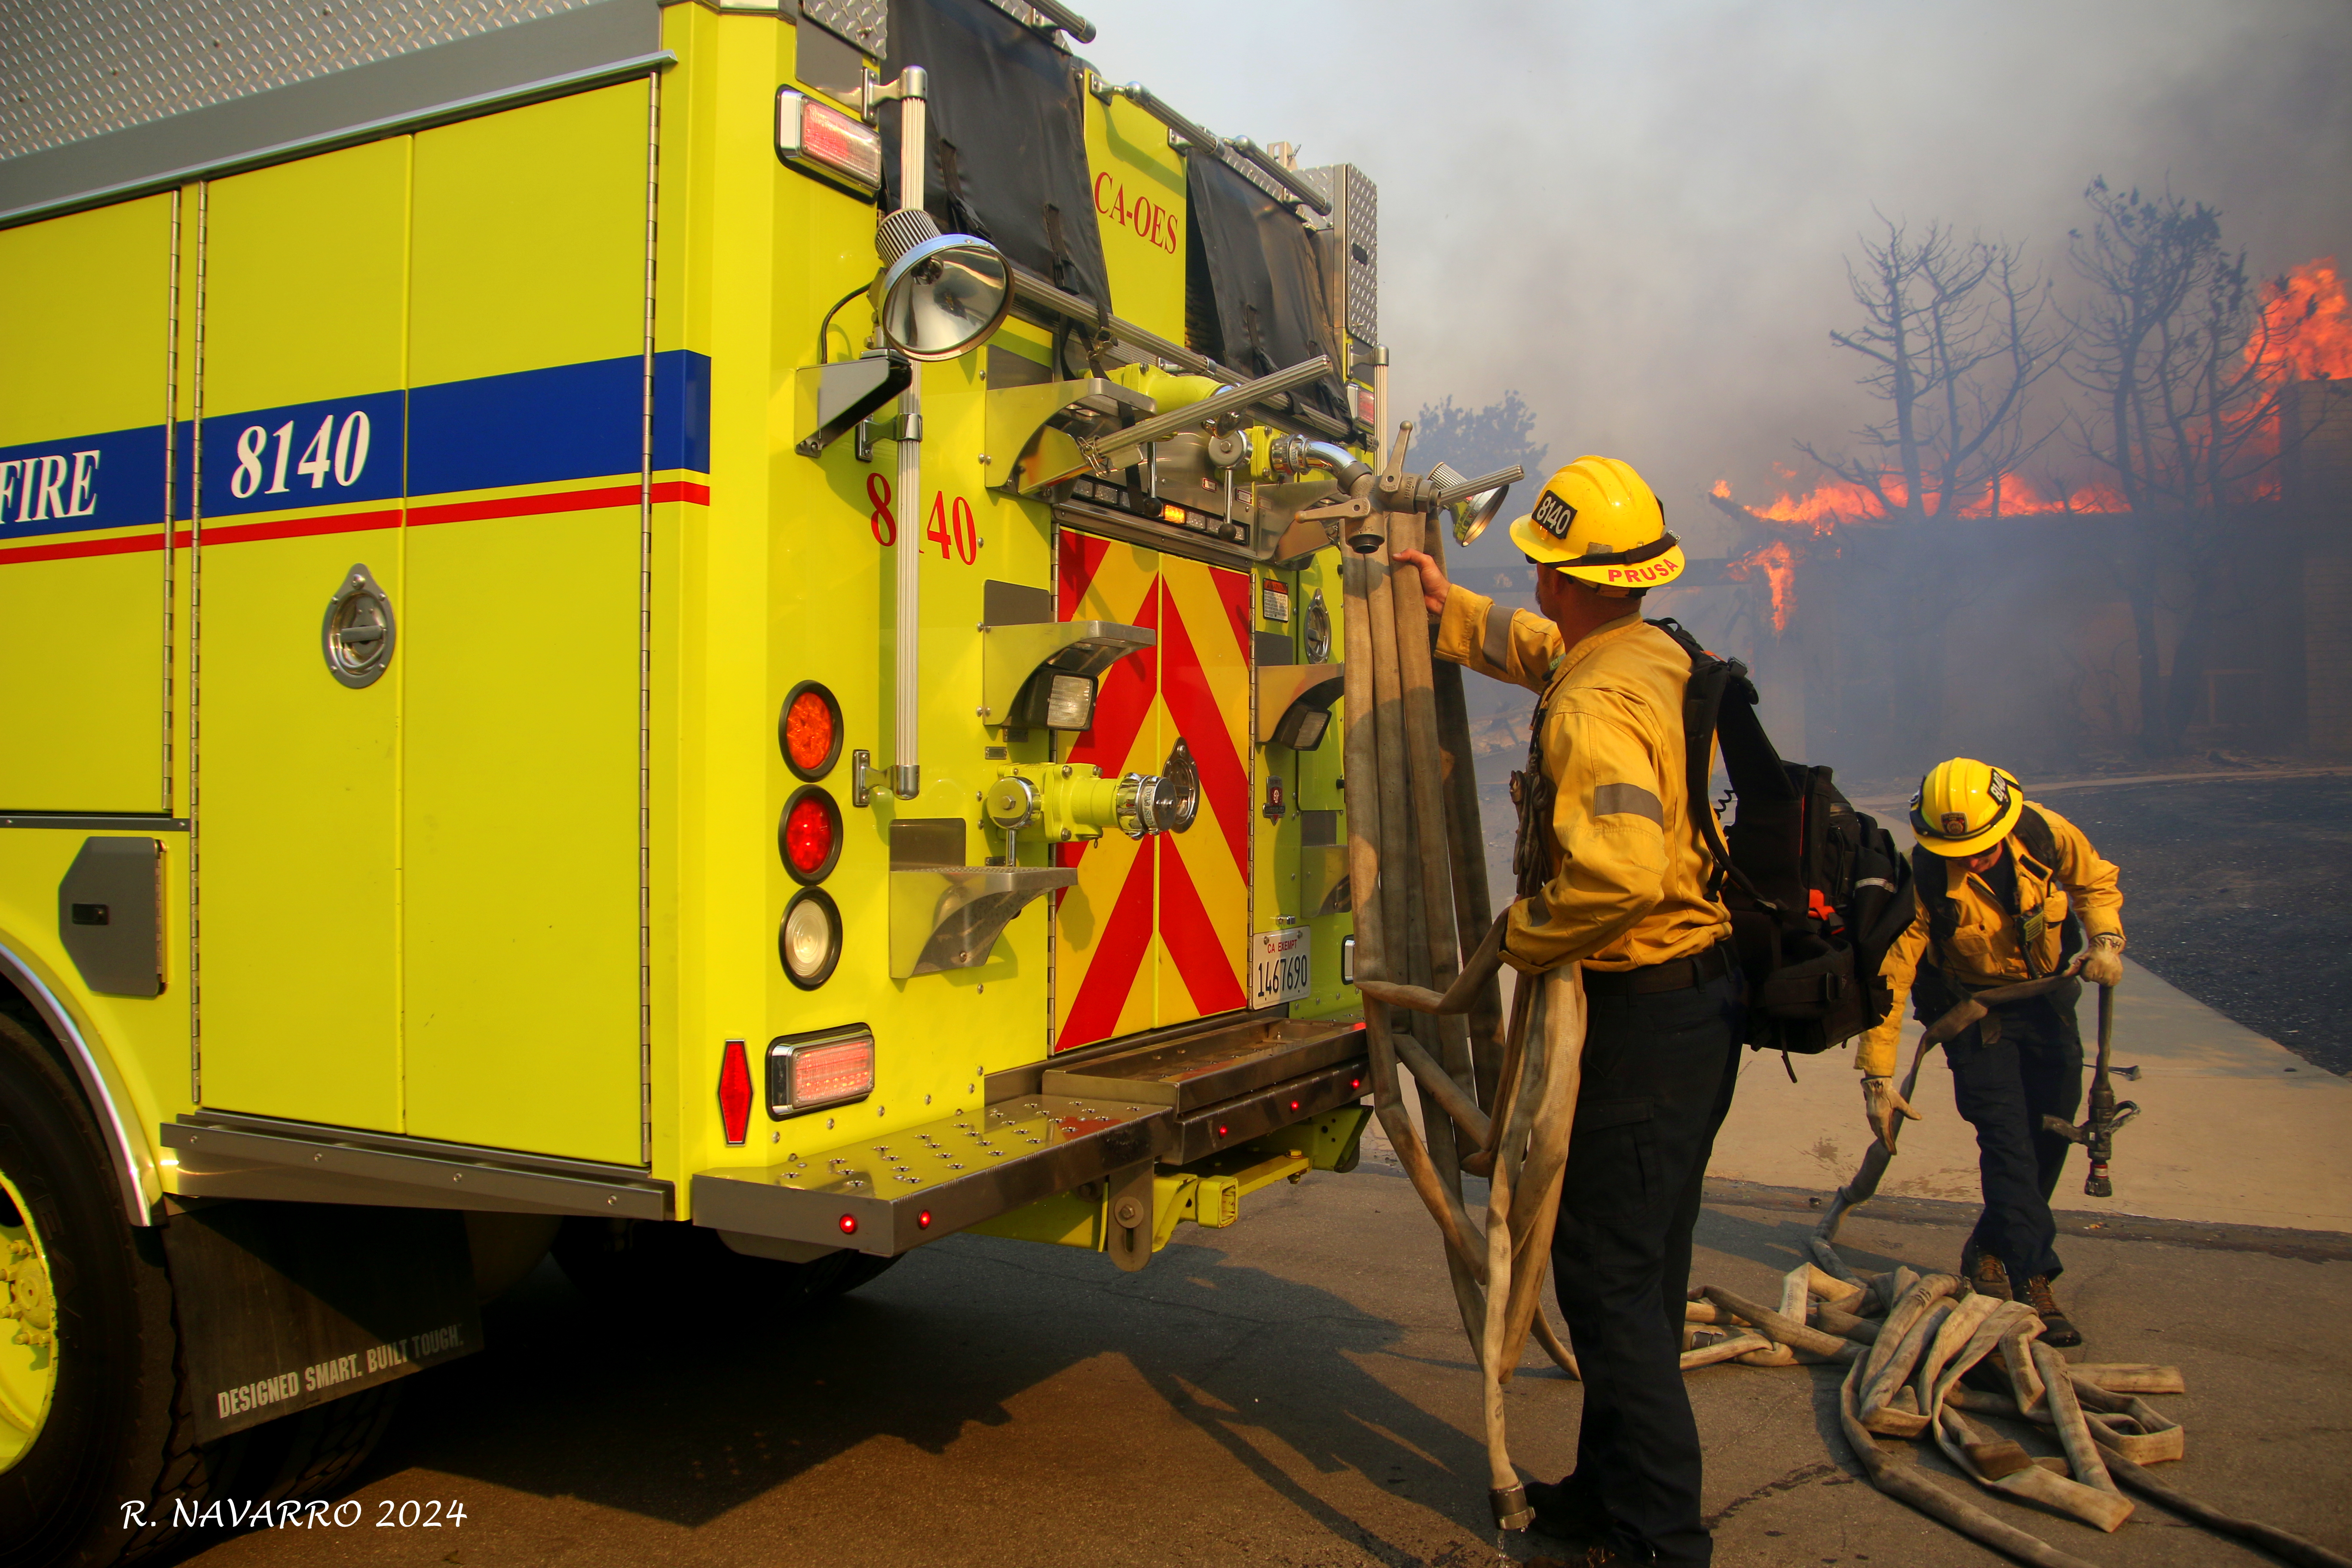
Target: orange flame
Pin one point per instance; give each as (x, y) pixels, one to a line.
(2308, 331)
(1778, 561)
(1826, 505)
(2014, 495)
(1833, 501)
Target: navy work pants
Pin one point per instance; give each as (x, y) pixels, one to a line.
(2003, 1087)
(1658, 1075)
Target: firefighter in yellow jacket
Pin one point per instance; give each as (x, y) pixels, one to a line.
(2009, 891)
(1613, 875)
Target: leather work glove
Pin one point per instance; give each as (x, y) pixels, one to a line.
(2103, 962)
(1881, 1102)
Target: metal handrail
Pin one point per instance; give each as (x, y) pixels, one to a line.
(1062, 17)
(1145, 99)
(1287, 178)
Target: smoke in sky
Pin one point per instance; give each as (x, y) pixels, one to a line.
(1637, 215)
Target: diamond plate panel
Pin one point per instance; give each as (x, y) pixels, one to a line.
(77, 68)
(1355, 219)
(865, 23)
(1256, 176)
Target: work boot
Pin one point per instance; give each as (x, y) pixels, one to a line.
(2055, 1327)
(1566, 1511)
(1986, 1274)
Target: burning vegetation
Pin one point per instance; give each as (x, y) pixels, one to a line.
(2163, 401)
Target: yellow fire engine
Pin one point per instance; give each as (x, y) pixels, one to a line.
(676, 631)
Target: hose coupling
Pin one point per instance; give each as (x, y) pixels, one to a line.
(1072, 800)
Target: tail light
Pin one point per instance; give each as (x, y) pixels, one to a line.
(735, 1092)
(809, 835)
(809, 940)
(810, 1072)
(820, 139)
(809, 731)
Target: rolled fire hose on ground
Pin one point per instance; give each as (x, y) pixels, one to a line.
(1412, 824)
(1909, 1341)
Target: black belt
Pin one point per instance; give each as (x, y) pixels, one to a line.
(1675, 975)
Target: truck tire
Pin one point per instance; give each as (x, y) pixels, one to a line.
(109, 1431)
(101, 1464)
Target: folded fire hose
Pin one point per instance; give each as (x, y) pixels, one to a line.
(1907, 1341)
(1417, 876)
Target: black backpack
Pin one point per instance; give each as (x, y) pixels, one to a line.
(1817, 890)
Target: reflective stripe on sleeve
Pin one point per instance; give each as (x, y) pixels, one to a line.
(1496, 647)
(1630, 800)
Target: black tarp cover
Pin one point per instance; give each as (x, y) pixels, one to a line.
(1253, 290)
(1008, 139)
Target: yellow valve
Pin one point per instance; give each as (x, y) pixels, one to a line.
(1069, 801)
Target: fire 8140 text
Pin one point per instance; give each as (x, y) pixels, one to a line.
(383, 1513)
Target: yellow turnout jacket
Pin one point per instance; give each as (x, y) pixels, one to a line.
(1983, 949)
(1630, 881)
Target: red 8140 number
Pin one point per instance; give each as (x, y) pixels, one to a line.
(953, 526)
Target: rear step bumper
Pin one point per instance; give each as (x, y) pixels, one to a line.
(1172, 1103)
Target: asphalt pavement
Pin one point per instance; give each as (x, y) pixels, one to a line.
(1294, 1391)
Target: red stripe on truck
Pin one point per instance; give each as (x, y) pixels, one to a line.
(542, 504)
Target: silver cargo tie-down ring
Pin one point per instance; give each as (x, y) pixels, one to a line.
(357, 634)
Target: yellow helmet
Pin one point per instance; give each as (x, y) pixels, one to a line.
(1964, 807)
(1597, 521)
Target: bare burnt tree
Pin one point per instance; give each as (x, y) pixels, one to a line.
(2180, 361)
(1957, 333)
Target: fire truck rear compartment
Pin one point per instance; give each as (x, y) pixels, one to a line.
(1114, 1119)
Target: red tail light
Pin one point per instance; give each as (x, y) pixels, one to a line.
(810, 833)
(735, 1092)
(923, 1220)
(809, 1072)
(849, 1225)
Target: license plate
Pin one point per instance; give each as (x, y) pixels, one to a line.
(1282, 965)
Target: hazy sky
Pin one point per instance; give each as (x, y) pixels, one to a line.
(1636, 213)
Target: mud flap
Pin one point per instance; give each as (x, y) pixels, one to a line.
(284, 1306)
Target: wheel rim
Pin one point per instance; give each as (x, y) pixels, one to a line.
(28, 1328)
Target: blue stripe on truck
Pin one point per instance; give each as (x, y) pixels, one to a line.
(536, 427)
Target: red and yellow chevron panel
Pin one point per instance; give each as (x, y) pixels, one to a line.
(1155, 931)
